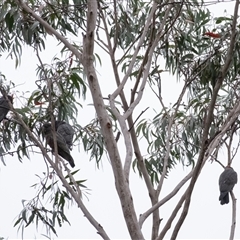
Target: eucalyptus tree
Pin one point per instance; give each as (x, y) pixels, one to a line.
(143, 40)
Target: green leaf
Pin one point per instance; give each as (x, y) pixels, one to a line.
(72, 173)
(9, 21)
(31, 218)
(24, 215)
(18, 221)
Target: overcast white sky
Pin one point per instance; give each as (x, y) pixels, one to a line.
(207, 219)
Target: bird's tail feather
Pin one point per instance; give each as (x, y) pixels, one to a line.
(224, 198)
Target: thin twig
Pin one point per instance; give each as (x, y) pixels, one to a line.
(138, 118)
(145, 215)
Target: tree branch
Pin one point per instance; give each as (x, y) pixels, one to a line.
(80, 204)
(126, 136)
(145, 215)
(171, 121)
(106, 126)
(121, 120)
(50, 29)
(209, 118)
(130, 120)
(234, 210)
(139, 45)
(76, 196)
(171, 218)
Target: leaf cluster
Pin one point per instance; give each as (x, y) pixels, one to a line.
(48, 207)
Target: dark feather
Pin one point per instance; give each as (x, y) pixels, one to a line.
(227, 180)
(66, 131)
(63, 150)
(4, 106)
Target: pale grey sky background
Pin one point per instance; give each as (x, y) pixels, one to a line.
(207, 219)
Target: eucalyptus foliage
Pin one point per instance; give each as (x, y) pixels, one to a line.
(191, 44)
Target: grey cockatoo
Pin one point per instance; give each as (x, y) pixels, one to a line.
(66, 131)
(4, 106)
(227, 180)
(63, 150)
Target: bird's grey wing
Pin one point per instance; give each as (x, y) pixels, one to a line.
(61, 142)
(226, 186)
(63, 150)
(67, 132)
(233, 177)
(227, 180)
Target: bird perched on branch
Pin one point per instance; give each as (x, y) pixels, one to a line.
(227, 180)
(66, 131)
(4, 106)
(62, 150)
